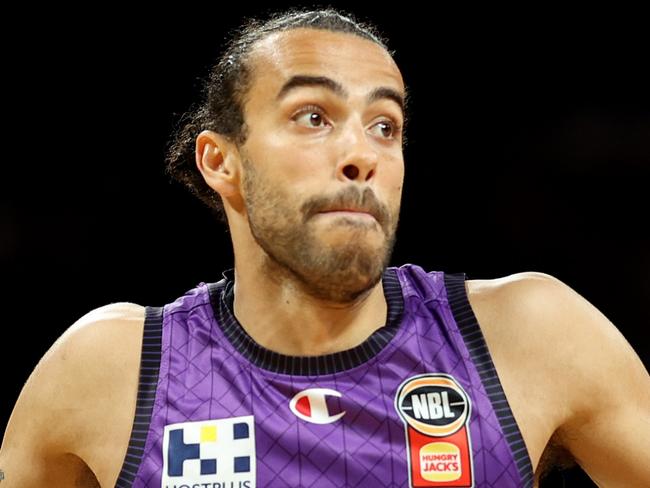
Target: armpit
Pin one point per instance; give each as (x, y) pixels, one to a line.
(87, 479)
(81, 473)
(554, 457)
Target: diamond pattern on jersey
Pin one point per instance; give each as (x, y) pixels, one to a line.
(204, 376)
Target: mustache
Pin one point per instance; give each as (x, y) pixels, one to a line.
(349, 197)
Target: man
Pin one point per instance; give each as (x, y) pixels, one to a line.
(312, 363)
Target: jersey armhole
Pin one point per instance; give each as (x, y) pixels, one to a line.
(147, 387)
(480, 355)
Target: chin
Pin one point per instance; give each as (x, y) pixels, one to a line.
(360, 266)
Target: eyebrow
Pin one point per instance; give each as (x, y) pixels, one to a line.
(379, 93)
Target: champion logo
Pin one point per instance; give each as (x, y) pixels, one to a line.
(311, 405)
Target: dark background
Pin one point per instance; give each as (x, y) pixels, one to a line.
(529, 150)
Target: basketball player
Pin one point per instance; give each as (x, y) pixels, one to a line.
(313, 363)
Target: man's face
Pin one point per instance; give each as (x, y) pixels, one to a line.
(312, 149)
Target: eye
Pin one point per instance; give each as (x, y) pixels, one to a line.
(315, 114)
(389, 129)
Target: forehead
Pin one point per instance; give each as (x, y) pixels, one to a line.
(359, 65)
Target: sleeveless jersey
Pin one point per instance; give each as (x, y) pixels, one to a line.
(417, 404)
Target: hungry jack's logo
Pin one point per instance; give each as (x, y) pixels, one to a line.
(436, 411)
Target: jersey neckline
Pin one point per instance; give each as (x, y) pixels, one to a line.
(222, 301)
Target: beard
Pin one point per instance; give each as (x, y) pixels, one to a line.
(336, 261)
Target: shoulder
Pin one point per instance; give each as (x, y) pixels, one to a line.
(589, 374)
(80, 378)
(517, 282)
(548, 318)
(517, 309)
(542, 306)
(522, 323)
(104, 334)
(537, 300)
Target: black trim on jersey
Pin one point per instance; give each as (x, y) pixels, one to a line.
(222, 299)
(478, 350)
(149, 370)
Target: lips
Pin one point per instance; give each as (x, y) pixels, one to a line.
(356, 210)
(360, 212)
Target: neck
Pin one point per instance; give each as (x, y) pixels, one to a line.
(281, 316)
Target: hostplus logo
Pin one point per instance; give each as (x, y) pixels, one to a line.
(210, 454)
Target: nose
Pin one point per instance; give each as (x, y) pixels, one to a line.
(358, 161)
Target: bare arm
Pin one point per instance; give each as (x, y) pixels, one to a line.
(608, 427)
(54, 425)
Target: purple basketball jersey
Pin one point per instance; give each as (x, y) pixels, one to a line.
(417, 404)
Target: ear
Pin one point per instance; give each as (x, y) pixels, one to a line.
(217, 158)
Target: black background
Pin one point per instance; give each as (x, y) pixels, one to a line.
(529, 150)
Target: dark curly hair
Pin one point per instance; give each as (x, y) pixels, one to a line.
(228, 83)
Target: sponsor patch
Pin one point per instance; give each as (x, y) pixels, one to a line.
(215, 453)
(436, 411)
(311, 405)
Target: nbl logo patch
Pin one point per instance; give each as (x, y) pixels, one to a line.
(211, 453)
(436, 411)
